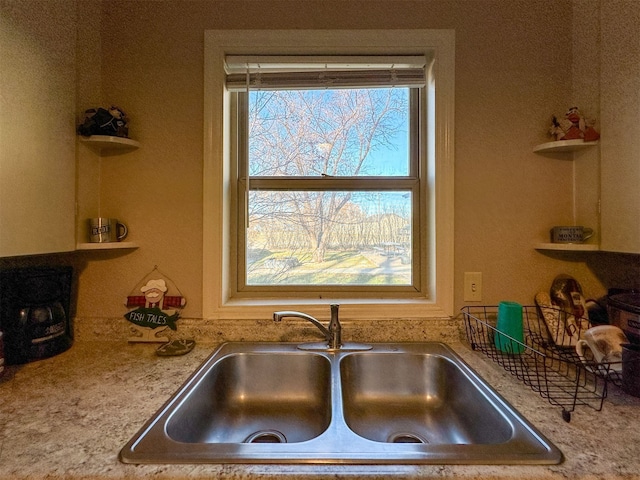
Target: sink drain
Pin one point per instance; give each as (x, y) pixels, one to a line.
(266, 436)
(405, 437)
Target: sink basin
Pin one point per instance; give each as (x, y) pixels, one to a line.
(394, 403)
(252, 397)
(417, 398)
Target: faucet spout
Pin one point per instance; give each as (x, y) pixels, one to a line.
(333, 334)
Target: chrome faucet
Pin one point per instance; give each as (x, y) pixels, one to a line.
(333, 334)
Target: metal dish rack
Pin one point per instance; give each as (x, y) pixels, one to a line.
(547, 366)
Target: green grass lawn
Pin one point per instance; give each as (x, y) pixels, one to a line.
(338, 268)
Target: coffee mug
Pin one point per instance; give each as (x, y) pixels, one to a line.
(605, 344)
(577, 234)
(103, 230)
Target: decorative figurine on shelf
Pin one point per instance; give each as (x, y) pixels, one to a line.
(574, 126)
(156, 310)
(100, 121)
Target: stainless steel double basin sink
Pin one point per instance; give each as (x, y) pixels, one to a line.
(384, 403)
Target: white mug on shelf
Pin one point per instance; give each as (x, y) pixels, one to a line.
(572, 234)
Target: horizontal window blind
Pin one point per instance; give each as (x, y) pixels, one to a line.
(284, 72)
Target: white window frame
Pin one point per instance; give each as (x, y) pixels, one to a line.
(220, 300)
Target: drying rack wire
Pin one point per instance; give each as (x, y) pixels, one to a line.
(548, 364)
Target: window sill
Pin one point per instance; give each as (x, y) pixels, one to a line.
(350, 308)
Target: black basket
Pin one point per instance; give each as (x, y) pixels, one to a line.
(548, 364)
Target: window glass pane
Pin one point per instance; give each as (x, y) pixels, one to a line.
(341, 132)
(329, 238)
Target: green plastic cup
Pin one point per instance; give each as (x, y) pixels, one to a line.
(509, 323)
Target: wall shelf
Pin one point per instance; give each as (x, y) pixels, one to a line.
(106, 246)
(108, 143)
(561, 146)
(565, 146)
(568, 247)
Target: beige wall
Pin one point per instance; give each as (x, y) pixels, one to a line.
(513, 70)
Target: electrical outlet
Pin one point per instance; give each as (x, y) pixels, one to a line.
(472, 286)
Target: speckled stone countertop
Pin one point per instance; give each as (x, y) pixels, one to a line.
(67, 417)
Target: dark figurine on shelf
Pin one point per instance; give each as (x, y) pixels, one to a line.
(574, 126)
(112, 122)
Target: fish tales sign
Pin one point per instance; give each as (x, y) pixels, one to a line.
(153, 310)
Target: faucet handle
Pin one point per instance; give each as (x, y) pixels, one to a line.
(335, 329)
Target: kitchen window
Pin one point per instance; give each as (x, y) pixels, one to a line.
(331, 167)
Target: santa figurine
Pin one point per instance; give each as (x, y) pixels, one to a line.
(574, 126)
